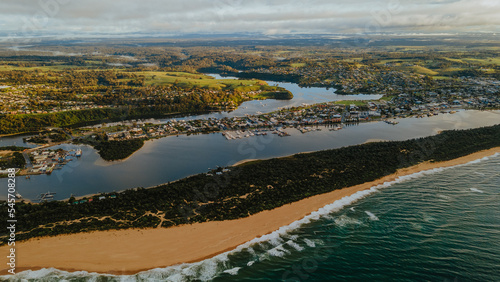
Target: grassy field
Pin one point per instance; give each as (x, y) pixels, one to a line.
(421, 70)
(387, 97)
(449, 71)
(42, 68)
(363, 103)
(188, 79)
(383, 62)
(489, 61)
(351, 102)
(454, 60)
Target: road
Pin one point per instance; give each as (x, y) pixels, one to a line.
(27, 158)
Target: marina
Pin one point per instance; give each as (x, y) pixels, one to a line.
(45, 161)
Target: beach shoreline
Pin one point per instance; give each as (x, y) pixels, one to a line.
(131, 251)
(245, 161)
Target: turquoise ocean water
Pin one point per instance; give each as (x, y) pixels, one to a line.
(439, 225)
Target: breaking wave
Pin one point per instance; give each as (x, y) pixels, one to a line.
(476, 190)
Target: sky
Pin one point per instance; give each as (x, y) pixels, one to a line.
(24, 18)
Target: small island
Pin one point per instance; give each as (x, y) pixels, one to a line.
(117, 150)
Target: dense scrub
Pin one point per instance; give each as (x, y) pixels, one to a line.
(15, 161)
(13, 148)
(117, 150)
(246, 189)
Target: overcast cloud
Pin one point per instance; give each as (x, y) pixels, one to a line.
(45, 17)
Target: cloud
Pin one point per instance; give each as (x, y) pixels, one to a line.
(263, 16)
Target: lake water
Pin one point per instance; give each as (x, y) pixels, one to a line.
(171, 158)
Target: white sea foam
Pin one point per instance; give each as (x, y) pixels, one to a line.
(232, 271)
(208, 269)
(417, 226)
(294, 245)
(443, 196)
(352, 209)
(344, 220)
(276, 241)
(428, 218)
(476, 190)
(278, 251)
(251, 251)
(51, 274)
(371, 215)
(309, 243)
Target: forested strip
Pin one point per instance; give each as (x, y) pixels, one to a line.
(33, 123)
(246, 189)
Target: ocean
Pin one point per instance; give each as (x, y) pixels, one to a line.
(438, 225)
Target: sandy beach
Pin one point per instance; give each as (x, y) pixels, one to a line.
(244, 161)
(134, 250)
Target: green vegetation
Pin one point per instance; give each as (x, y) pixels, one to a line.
(37, 140)
(246, 189)
(125, 81)
(278, 95)
(33, 123)
(117, 150)
(352, 102)
(423, 70)
(387, 97)
(45, 137)
(15, 161)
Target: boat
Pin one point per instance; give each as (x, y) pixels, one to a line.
(391, 122)
(50, 169)
(78, 153)
(335, 128)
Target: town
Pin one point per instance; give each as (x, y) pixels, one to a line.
(47, 160)
(332, 114)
